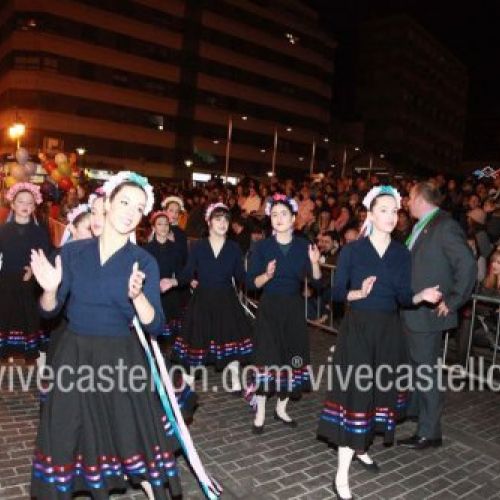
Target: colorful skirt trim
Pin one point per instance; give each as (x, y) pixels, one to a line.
(356, 409)
(93, 439)
(215, 330)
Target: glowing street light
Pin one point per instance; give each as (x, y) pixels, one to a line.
(81, 151)
(16, 131)
(188, 163)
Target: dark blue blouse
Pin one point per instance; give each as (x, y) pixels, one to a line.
(96, 296)
(359, 260)
(181, 243)
(168, 257)
(291, 269)
(211, 271)
(16, 243)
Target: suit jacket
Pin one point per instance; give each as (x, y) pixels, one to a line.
(441, 256)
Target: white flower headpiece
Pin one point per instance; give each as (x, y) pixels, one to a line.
(212, 207)
(173, 199)
(380, 190)
(98, 193)
(83, 208)
(126, 176)
(281, 198)
(24, 186)
(366, 228)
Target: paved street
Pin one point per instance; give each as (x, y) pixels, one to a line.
(285, 463)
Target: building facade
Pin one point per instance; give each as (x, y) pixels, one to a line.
(412, 95)
(149, 84)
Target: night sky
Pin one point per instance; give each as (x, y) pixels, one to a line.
(469, 29)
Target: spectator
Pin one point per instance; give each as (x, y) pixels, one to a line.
(252, 202)
(305, 214)
(350, 235)
(240, 234)
(403, 227)
(340, 223)
(476, 220)
(492, 280)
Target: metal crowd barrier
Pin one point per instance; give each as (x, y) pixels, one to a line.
(479, 329)
(320, 302)
(250, 300)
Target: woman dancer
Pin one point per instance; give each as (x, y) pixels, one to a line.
(19, 317)
(166, 253)
(96, 204)
(168, 256)
(78, 227)
(95, 440)
(173, 206)
(374, 275)
(215, 329)
(279, 265)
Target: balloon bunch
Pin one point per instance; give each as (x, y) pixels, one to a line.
(21, 169)
(62, 171)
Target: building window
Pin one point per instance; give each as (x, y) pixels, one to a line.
(120, 79)
(27, 23)
(27, 62)
(50, 64)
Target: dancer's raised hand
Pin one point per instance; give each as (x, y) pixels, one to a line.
(135, 281)
(48, 276)
(367, 285)
(271, 269)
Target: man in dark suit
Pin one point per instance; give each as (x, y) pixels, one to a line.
(440, 256)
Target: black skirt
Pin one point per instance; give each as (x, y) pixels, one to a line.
(215, 330)
(171, 302)
(95, 441)
(186, 397)
(282, 359)
(20, 331)
(354, 412)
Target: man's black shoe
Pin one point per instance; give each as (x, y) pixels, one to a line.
(420, 443)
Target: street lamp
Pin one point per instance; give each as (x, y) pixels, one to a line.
(81, 151)
(188, 163)
(344, 159)
(16, 131)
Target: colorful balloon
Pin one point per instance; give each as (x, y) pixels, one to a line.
(56, 175)
(22, 155)
(64, 168)
(10, 181)
(61, 158)
(65, 184)
(17, 171)
(47, 189)
(49, 166)
(30, 168)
